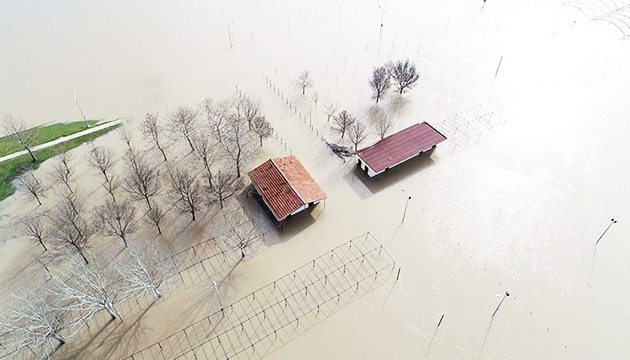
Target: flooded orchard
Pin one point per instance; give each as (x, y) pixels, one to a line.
(532, 97)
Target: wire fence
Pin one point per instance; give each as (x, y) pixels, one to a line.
(612, 12)
(268, 318)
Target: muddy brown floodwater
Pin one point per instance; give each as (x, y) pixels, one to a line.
(515, 205)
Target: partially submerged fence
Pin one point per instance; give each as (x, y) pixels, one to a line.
(266, 319)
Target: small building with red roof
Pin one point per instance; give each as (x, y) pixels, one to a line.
(398, 148)
(286, 187)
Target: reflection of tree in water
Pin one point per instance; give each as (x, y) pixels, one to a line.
(614, 12)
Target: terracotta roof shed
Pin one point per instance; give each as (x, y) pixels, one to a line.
(400, 147)
(285, 186)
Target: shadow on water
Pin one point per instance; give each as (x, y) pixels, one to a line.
(366, 186)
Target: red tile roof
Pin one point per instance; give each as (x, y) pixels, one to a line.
(400, 146)
(285, 185)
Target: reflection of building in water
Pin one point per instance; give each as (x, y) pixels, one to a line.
(398, 148)
(286, 187)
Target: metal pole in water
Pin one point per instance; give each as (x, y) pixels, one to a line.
(612, 221)
(219, 295)
(74, 93)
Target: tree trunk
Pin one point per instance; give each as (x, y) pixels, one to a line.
(162, 151)
(261, 141)
(113, 196)
(192, 212)
(148, 202)
(83, 256)
(37, 198)
(303, 89)
(59, 338)
(108, 307)
(105, 176)
(42, 243)
(124, 240)
(30, 153)
(159, 230)
(190, 143)
(221, 201)
(156, 293)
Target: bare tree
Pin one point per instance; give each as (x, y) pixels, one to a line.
(115, 219)
(184, 124)
(126, 135)
(102, 159)
(142, 181)
(380, 82)
(148, 269)
(247, 108)
(26, 137)
(32, 321)
(237, 141)
(206, 153)
(315, 97)
(217, 115)
(35, 228)
(381, 124)
(225, 186)
(63, 169)
(341, 123)
(155, 216)
(262, 128)
(112, 185)
(357, 133)
(241, 234)
(304, 81)
(186, 191)
(153, 131)
(30, 185)
(86, 289)
(404, 73)
(69, 227)
(331, 110)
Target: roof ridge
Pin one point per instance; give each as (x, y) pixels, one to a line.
(287, 180)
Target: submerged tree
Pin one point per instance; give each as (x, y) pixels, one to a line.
(148, 269)
(331, 110)
(341, 123)
(357, 133)
(115, 219)
(380, 82)
(225, 186)
(404, 74)
(304, 81)
(26, 137)
(63, 169)
(86, 289)
(69, 228)
(32, 186)
(242, 234)
(101, 159)
(35, 228)
(184, 124)
(142, 181)
(206, 152)
(186, 193)
(152, 131)
(381, 124)
(262, 128)
(237, 141)
(155, 216)
(31, 320)
(216, 115)
(248, 108)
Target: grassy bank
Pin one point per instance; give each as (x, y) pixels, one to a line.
(11, 169)
(45, 134)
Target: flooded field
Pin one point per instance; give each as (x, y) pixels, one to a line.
(513, 201)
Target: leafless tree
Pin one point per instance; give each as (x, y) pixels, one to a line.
(404, 74)
(262, 128)
(381, 124)
(32, 321)
(153, 131)
(242, 233)
(155, 216)
(331, 110)
(148, 269)
(35, 228)
(237, 141)
(86, 289)
(216, 115)
(102, 159)
(142, 181)
(126, 135)
(247, 108)
(69, 228)
(112, 185)
(206, 152)
(380, 82)
(186, 193)
(304, 81)
(357, 133)
(30, 185)
(115, 219)
(184, 124)
(63, 169)
(341, 123)
(26, 137)
(225, 186)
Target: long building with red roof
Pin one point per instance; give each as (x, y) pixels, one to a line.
(285, 186)
(398, 148)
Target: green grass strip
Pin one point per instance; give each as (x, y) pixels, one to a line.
(12, 169)
(46, 133)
